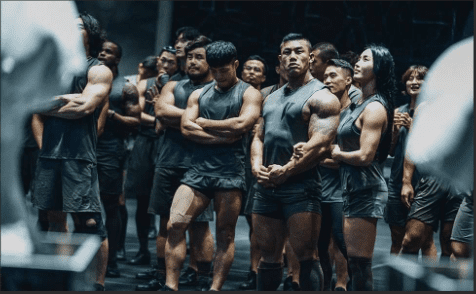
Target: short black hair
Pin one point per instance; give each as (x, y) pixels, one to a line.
(189, 33)
(293, 37)
(96, 35)
(169, 49)
(259, 58)
(119, 47)
(351, 57)
(150, 62)
(342, 64)
(327, 51)
(220, 53)
(200, 42)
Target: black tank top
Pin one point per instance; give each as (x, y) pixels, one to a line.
(284, 126)
(357, 178)
(72, 138)
(220, 160)
(176, 150)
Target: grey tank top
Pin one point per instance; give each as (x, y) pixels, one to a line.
(284, 126)
(176, 150)
(220, 160)
(72, 138)
(357, 178)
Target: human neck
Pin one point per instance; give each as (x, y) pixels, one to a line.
(202, 80)
(226, 87)
(344, 100)
(368, 89)
(182, 64)
(413, 101)
(299, 81)
(282, 82)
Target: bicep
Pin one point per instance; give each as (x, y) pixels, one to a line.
(99, 84)
(191, 113)
(373, 122)
(141, 87)
(167, 95)
(324, 118)
(251, 107)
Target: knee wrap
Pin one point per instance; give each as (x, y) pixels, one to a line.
(361, 268)
(90, 223)
(269, 276)
(310, 275)
(177, 216)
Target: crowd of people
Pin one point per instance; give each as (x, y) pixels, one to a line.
(302, 160)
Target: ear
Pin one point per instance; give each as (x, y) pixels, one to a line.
(236, 64)
(280, 58)
(311, 57)
(277, 69)
(263, 79)
(348, 81)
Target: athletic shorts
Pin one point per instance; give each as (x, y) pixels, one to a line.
(208, 185)
(434, 203)
(110, 173)
(247, 202)
(365, 203)
(166, 183)
(66, 185)
(82, 228)
(395, 213)
(141, 167)
(463, 230)
(284, 205)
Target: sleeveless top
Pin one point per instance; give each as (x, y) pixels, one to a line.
(112, 139)
(284, 127)
(396, 175)
(176, 150)
(149, 131)
(330, 178)
(220, 160)
(357, 178)
(72, 138)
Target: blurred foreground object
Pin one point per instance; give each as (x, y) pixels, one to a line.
(441, 141)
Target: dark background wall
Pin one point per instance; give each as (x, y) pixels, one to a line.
(415, 32)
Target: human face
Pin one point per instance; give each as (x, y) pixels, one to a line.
(225, 76)
(180, 45)
(84, 33)
(167, 63)
(196, 63)
(295, 58)
(253, 73)
(336, 79)
(413, 84)
(364, 68)
(317, 66)
(108, 54)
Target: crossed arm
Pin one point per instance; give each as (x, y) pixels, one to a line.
(374, 118)
(324, 118)
(165, 110)
(130, 96)
(145, 119)
(195, 132)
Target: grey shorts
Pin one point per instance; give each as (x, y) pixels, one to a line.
(365, 203)
(166, 182)
(66, 185)
(463, 230)
(248, 195)
(395, 214)
(141, 167)
(434, 203)
(283, 206)
(208, 185)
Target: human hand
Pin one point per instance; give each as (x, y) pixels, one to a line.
(407, 195)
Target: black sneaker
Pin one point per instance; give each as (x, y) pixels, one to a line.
(289, 285)
(203, 284)
(112, 271)
(121, 254)
(166, 288)
(250, 283)
(99, 287)
(148, 274)
(189, 277)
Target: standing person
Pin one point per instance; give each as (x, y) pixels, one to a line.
(123, 115)
(395, 211)
(288, 189)
(184, 35)
(140, 170)
(66, 179)
(363, 141)
(216, 118)
(173, 160)
(146, 69)
(323, 52)
(254, 73)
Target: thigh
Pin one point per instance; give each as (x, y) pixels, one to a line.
(187, 205)
(80, 186)
(227, 206)
(427, 203)
(166, 183)
(270, 235)
(359, 234)
(303, 229)
(47, 192)
(463, 228)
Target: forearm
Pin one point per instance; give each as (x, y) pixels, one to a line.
(170, 116)
(356, 158)
(147, 119)
(408, 170)
(311, 158)
(233, 125)
(330, 163)
(256, 153)
(395, 135)
(195, 133)
(128, 121)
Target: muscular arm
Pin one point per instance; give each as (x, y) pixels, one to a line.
(102, 118)
(193, 131)
(395, 134)
(37, 126)
(130, 96)
(145, 119)
(323, 123)
(260, 172)
(165, 109)
(374, 118)
(249, 113)
(93, 96)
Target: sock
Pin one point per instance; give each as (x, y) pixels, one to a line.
(327, 272)
(361, 268)
(311, 276)
(204, 268)
(161, 266)
(269, 276)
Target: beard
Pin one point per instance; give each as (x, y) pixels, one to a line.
(197, 76)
